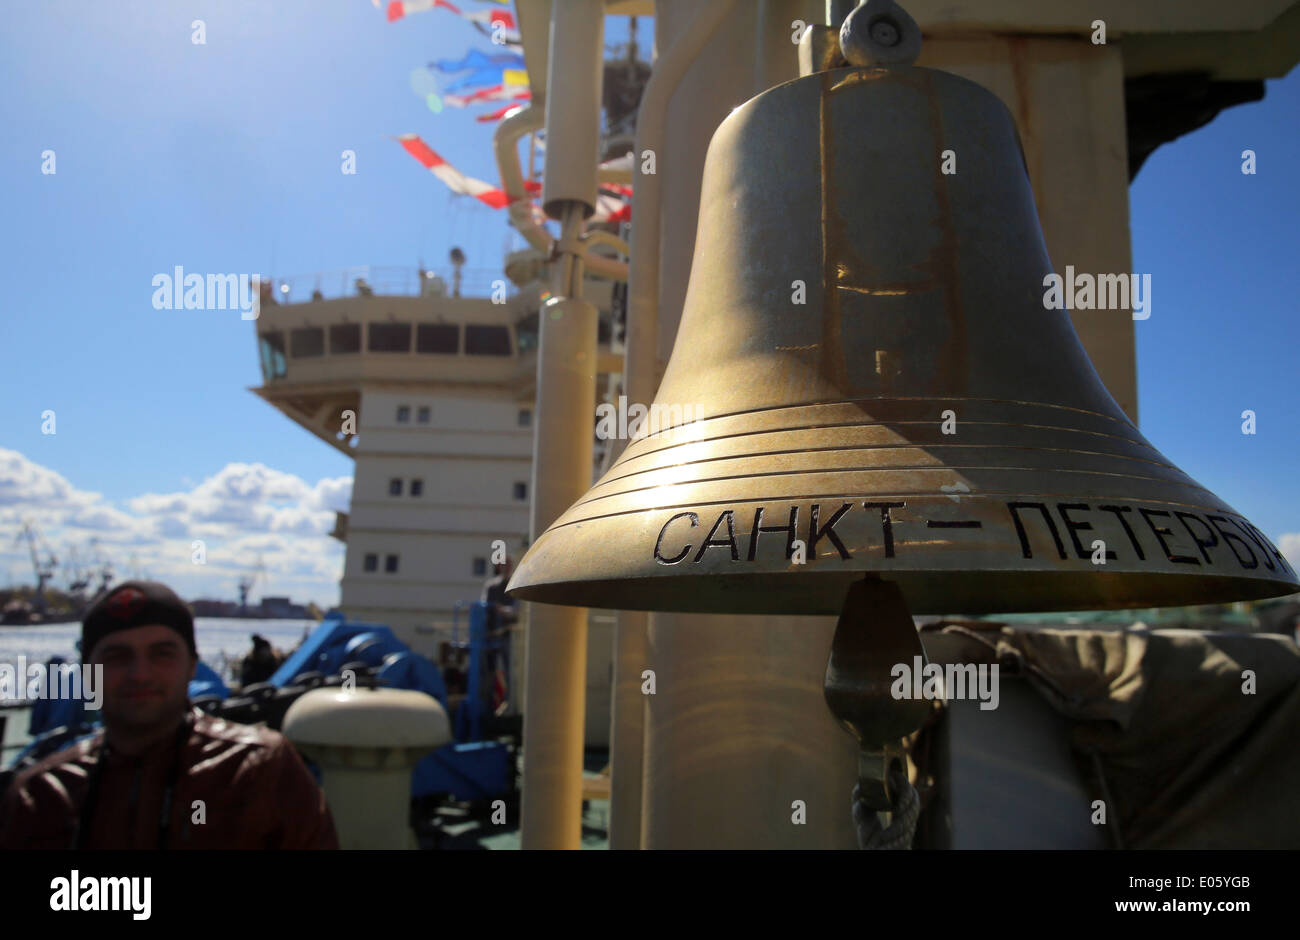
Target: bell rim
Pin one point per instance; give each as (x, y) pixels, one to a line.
(1017, 591)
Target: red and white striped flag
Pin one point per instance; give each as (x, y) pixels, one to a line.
(493, 93)
(457, 181)
(496, 115)
(613, 201)
(400, 8)
(612, 206)
(504, 17)
(498, 25)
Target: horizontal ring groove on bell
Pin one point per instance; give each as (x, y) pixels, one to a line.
(980, 447)
(879, 496)
(925, 399)
(643, 453)
(902, 400)
(982, 468)
(1175, 479)
(760, 421)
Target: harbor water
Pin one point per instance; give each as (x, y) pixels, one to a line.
(220, 639)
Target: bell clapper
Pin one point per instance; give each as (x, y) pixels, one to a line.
(875, 633)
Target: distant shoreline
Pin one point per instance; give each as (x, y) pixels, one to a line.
(230, 637)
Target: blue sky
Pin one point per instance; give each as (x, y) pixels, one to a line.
(225, 157)
(1224, 333)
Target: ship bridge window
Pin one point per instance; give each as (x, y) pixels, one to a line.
(487, 340)
(437, 338)
(307, 342)
(390, 337)
(271, 346)
(345, 338)
(526, 333)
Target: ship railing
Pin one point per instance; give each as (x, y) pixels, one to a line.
(376, 281)
(13, 710)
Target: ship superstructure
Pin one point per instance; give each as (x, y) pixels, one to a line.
(432, 395)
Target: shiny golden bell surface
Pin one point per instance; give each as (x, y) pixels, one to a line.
(878, 389)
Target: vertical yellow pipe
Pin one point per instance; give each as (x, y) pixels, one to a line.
(641, 373)
(555, 694)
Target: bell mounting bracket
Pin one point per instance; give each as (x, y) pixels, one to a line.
(876, 33)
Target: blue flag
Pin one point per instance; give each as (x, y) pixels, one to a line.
(475, 59)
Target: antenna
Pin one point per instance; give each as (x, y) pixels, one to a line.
(457, 262)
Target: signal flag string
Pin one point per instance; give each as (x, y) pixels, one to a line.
(613, 201)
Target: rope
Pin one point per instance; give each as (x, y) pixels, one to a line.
(872, 834)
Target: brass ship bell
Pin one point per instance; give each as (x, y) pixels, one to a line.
(879, 391)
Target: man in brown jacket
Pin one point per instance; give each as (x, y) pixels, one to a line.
(162, 774)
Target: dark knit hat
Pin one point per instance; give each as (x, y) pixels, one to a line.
(136, 604)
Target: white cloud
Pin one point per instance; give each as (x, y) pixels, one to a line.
(170, 527)
(23, 483)
(335, 494)
(100, 518)
(243, 512)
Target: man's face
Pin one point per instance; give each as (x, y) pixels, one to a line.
(146, 674)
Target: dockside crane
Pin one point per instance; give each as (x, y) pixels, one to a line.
(100, 565)
(75, 571)
(44, 570)
(246, 584)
